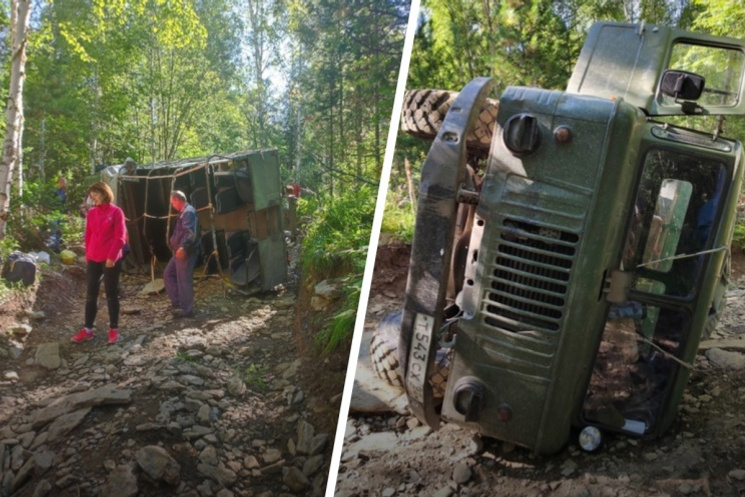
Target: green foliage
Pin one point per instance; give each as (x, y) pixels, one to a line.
(519, 43)
(7, 245)
(184, 357)
(335, 244)
(8, 289)
(337, 232)
(719, 17)
(343, 66)
(73, 231)
(36, 215)
(341, 326)
(253, 377)
(399, 216)
(155, 80)
(738, 239)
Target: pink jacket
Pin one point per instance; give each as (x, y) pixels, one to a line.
(105, 233)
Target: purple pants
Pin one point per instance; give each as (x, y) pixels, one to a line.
(178, 279)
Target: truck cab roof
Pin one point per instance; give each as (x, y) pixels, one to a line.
(657, 68)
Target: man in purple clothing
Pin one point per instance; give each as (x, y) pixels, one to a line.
(178, 276)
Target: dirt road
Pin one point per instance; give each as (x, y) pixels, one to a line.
(223, 404)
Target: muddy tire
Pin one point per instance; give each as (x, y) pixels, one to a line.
(384, 356)
(424, 111)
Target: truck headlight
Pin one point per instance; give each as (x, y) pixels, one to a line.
(590, 438)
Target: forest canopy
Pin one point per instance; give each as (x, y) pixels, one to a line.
(156, 80)
(532, 43)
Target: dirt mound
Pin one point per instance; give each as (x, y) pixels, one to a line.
(391, 269)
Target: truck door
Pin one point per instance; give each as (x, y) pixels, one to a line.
(643, 357)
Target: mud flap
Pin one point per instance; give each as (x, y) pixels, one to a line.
(443, 173)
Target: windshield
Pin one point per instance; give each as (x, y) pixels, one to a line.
(722, 69)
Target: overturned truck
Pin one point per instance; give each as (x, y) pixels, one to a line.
(238, 201)
(570, 270)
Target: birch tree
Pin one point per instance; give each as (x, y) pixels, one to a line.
(11, 161)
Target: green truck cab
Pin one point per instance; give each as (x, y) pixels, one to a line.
(573, 277)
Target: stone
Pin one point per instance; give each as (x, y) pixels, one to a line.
(444, 492)
(312, 465)
(155, 286)
(650, 456)
(70, 403)
(305, 434)
(382, 441)
(318, 444)
(726, 359)
(327, 290)
(461, 473)
(35, 315)
(209, 455)
(66, 423)
(20, 330)
(42, 489)
(219, 473)
(235, 386)
(22, 475)
(250, 462)
(737, 474)
(319, 304)
(11, 376)
(43, 460)
(271, 456)
(16, 350)
(159, 465)
(291, 370)
(203, 416)
(295, 480)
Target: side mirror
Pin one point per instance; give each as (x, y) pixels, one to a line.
(682, 84)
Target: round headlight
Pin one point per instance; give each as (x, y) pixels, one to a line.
(590, 438)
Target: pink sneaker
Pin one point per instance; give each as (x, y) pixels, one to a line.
(113, 335)
(82, 336)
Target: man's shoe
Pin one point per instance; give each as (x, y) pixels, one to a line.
(182, 314)
(82, 336)
(113, 335)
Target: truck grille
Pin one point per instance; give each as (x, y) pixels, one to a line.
(529, 279)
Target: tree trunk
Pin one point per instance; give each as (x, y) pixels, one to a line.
(410, 184)
(11, 160)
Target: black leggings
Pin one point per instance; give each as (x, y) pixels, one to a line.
(95, 272)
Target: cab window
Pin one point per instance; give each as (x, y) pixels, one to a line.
(673, 218)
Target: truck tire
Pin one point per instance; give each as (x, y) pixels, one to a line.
(384, 356)
(424, 111)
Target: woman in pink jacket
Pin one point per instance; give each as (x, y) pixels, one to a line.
(105, 237)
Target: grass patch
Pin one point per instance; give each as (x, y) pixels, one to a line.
(184, 357)
(341, 327)
(253, 377)
(399, 217)
(337, 233)
(335, 246)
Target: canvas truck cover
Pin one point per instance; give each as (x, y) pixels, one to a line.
(238, 201)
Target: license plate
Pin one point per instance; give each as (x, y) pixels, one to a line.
(421, 340)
